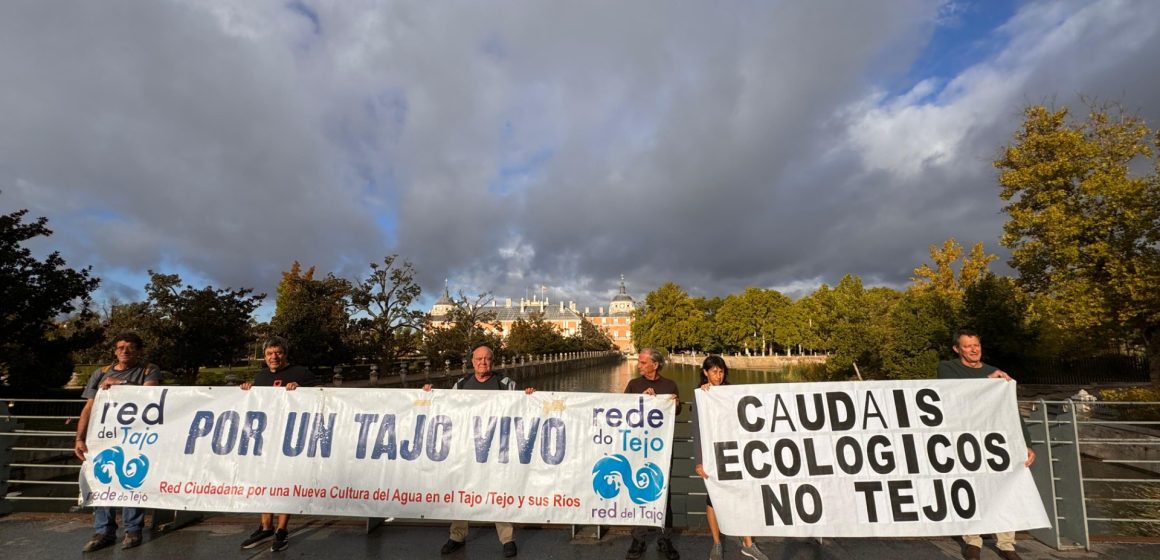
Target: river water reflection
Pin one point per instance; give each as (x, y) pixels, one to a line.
(613, 377)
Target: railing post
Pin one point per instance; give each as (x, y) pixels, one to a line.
(1059, 478)
(7, 425)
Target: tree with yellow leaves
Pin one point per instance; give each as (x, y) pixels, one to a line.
(1083, 207)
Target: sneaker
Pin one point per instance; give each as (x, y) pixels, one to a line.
(716, 553)
(99, 541)
(971, 552)
(132, 540)
(635, 550)
(754, 552)
(451, 546)
(280, 537)
(1009, 555)
(666, 547)
(257, 537)
(510, 550)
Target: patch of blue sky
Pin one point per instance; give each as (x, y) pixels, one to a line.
(965, 34)
(516, 175)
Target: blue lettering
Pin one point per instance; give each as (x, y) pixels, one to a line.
(364, 429)
(199, 428)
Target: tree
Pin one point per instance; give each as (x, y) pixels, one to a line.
(1000, 312)
(386, 296)
(138, 317)
(313, 316)
(749, 320)
(470, 324)
(668, 319)
(590, 338)
(707, 336)
(195, 328)
(920, 324)
(1084, 225)
(34, 351)
(941, 278)
(534, 335)
(858, 326)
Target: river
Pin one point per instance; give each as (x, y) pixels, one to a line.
(612, 378)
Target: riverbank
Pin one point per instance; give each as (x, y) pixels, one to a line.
(751, 362)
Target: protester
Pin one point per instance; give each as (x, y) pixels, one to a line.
(650, 362)
(715, 372)
(482, 379)
(969, 365)
(278, 373)
(127, 370)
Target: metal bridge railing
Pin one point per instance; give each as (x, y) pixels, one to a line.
(1098, 469)
(37, 466)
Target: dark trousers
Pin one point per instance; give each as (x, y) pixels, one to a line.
(640, 531)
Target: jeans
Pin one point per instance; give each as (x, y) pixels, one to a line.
(105, 520)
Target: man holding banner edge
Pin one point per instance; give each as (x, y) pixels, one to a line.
(969, 365)
(482, 379)
(126, 370)
(279, 373)
(650, 362)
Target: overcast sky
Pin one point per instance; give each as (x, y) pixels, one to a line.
(508, 145)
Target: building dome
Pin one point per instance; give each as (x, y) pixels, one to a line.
(623, 295)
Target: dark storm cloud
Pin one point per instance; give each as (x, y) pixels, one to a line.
(530, 143)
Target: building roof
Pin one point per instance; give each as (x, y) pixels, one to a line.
(623, 295)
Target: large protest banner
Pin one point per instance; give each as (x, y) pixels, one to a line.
(865, 459)
(583, 458)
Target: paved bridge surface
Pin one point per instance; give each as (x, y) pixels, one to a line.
(29, 536)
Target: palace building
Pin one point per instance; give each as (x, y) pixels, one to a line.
(615, 321)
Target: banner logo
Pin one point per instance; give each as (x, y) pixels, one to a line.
(613, 471)
(130, 474)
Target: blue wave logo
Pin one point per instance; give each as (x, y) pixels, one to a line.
(129, 473)
(613, 471)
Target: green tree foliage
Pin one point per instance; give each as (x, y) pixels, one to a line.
(707, 337)
(1084, 223)
(590, 338)
(138, 317)
(749, 320)
(857, 331)
(797, 326)
(385, 296)
(920, 324)
(313, 316)
(194, 328)
(34, 350)
(1000, 312)
(470, 324)
(668, 319)
(534, 336)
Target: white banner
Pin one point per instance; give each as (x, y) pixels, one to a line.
(867, 459)
(583, 458)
